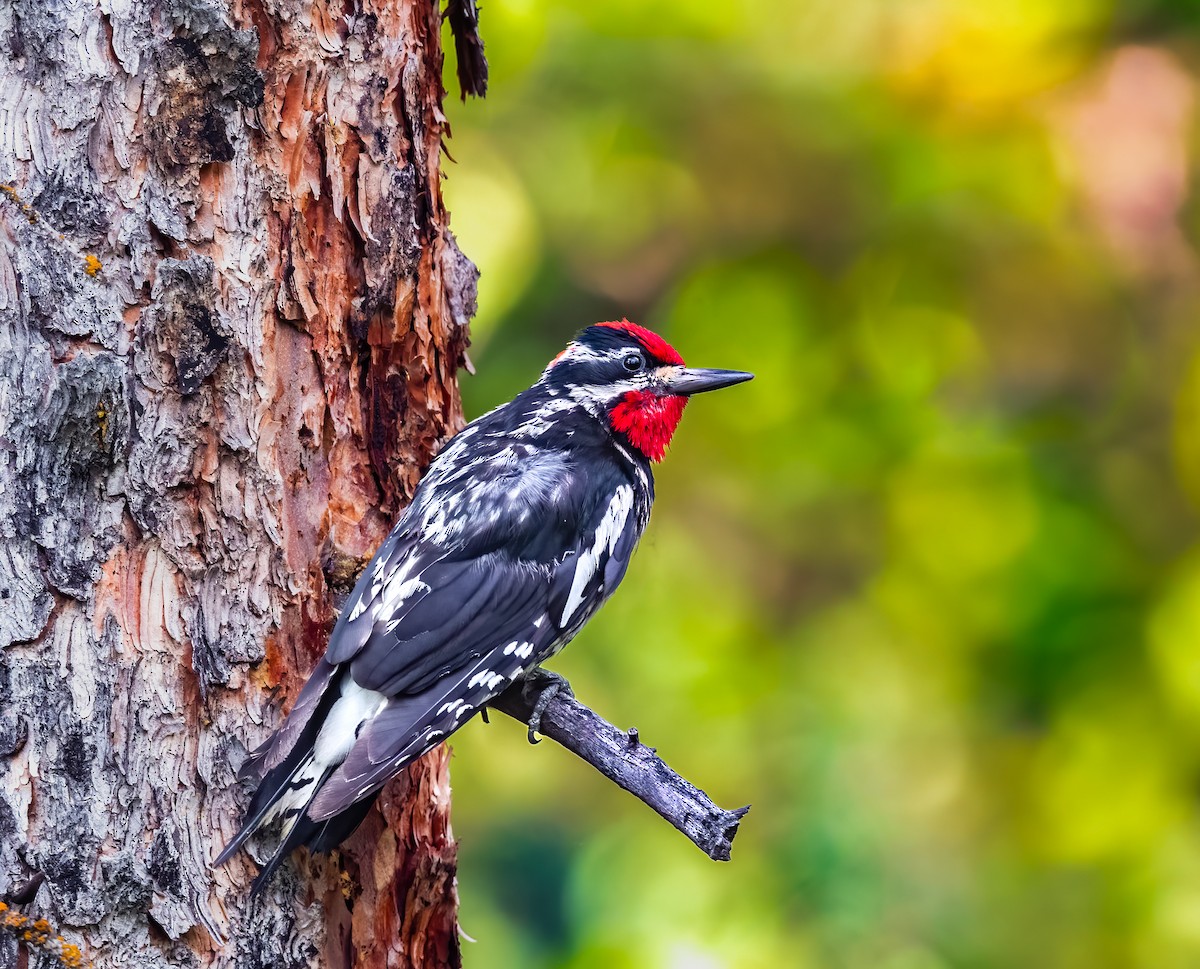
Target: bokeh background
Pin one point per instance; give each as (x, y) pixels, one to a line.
(927, 592)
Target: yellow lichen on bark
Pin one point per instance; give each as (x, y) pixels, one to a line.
(40, 935)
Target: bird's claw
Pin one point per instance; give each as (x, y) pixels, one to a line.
(549, 685)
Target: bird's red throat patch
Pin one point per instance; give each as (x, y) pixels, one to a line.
(648, 420)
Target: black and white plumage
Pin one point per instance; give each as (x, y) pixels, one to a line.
(521, 529)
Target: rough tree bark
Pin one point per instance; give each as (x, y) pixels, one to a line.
(230, 318)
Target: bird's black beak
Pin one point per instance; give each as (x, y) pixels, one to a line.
(686, 381)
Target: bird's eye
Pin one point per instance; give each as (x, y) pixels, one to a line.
(633, 362)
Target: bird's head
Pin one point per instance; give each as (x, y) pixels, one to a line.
(633, 379)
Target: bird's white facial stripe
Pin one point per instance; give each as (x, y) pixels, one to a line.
(581, 353)
(576, 353)
(607, 534)
(609, 390)
(590, 395)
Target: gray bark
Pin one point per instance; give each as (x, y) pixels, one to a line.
(230, 318)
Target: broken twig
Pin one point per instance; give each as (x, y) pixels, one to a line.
(621, 757)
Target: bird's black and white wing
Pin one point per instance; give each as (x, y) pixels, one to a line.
(474, 587)
(449, 630)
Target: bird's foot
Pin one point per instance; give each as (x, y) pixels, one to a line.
(549, 685)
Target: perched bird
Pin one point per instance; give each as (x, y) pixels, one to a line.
(520, 530)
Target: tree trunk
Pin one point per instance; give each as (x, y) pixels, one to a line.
(230, 317)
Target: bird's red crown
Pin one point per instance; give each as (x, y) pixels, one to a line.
(654, 344)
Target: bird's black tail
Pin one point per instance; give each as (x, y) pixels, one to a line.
(292, 779)
(303, 831)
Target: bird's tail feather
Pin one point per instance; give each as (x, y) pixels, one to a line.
(299, 829)
(297, 794)
(319, 733)
(273, 789)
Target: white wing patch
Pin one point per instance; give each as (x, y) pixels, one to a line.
(396, 593)
(389, 593)
(607, 534)
(485, 676)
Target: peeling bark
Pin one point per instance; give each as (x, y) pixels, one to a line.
(231, 314)
(463, 16)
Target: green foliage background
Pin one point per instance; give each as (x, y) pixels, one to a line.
(927, 592)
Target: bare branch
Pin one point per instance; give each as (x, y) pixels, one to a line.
(626, 761)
